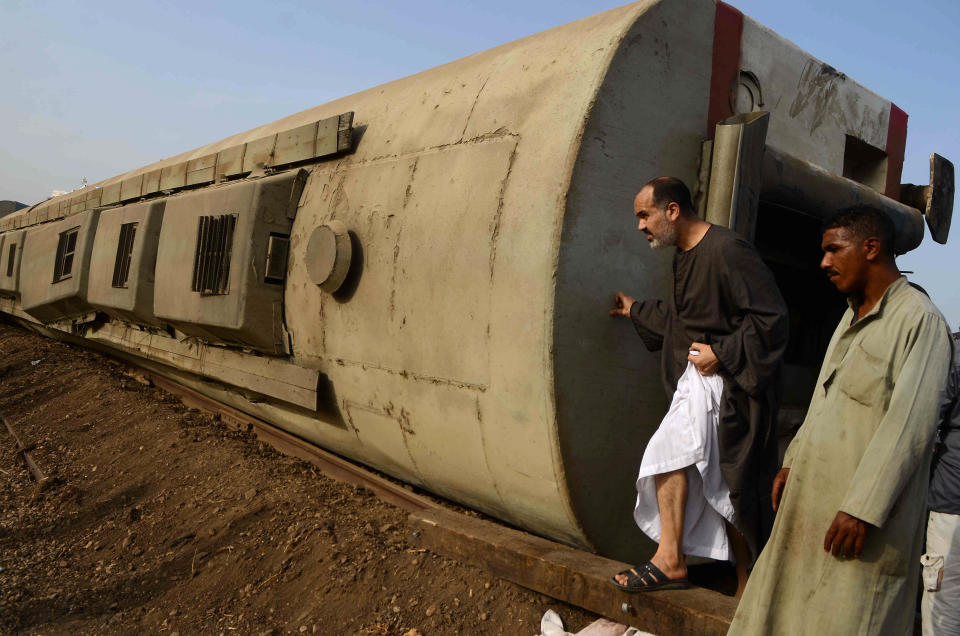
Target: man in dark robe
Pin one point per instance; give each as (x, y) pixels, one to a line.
(727, 308)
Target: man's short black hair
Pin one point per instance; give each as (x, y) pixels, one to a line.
(863, 222)
(667, 190)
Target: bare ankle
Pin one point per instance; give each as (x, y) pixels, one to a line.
(670, 562)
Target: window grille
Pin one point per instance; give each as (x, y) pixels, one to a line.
(121, 267)
(211, 264)
(66, 247)
(277, 250)
(11, 259)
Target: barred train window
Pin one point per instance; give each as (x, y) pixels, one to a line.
(11, 259)
(211, 263)
(66, 246)
(121, 267)
(277, 250)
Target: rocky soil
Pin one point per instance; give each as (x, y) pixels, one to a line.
(158, 519)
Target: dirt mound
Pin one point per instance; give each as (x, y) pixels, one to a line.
(159, 519)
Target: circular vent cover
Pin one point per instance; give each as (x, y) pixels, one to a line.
(328, 255)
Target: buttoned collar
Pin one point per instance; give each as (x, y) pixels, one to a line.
(877, 310)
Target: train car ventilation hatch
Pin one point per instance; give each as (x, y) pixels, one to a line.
(328, 255)
(222, 252)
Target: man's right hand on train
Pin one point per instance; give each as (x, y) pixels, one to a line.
(623, 304)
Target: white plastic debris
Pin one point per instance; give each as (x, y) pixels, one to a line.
(552, 625)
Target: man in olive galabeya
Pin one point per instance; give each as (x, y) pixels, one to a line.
(850, 498)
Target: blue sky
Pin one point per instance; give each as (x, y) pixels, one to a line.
(92, 89)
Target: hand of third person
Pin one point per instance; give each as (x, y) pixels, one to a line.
(846, 536)
(705, 360)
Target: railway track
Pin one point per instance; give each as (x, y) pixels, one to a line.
(330, 464)
(574, 576)
(567, 574)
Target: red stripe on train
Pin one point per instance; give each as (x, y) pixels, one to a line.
(896, 147)
(727, 31)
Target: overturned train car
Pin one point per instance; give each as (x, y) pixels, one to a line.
(418, 276)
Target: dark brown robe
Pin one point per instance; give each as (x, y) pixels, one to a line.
(725, 296)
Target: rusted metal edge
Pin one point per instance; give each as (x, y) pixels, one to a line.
(329, 464)
(556, 570)
(34, 469)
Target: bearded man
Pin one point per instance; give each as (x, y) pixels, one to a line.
(851, 497)
(727, 317)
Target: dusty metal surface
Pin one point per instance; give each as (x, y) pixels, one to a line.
(934, 200)
(316, 140)
(44, 294)
(130, 299)
(800, 185)
(736, 172)
(648, 119)
(812, 105)
(328, 255)
(13, 243)
(248, 309)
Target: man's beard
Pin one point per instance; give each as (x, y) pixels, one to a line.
(667, 239)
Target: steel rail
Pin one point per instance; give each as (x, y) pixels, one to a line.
(568, 574)
(330, 464)
(23, 450)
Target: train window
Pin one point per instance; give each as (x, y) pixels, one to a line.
(277, 250)
(11, 259)
(121, 267)
(66, 246)
(211, 263)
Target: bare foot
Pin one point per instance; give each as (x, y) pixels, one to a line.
(675, 569)
(622, 578)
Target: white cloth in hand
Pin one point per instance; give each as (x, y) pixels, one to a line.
(687, 438)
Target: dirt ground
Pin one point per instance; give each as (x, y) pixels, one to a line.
(158, 519)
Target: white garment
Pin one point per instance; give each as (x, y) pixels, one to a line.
(940, 608)
(687, 438)
(552, 625)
